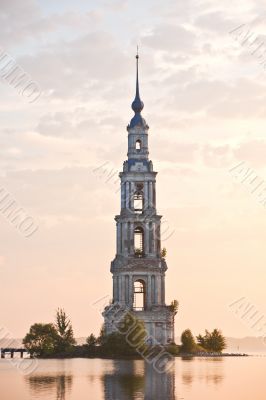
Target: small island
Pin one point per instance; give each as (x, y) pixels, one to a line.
(130, 341)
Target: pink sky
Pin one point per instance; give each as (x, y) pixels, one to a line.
(204, 96)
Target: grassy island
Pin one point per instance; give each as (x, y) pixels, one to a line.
(56, 340)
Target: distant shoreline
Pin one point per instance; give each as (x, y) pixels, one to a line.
(138, 357)
(135, 357)
(213, 355)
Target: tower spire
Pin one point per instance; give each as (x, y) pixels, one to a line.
(137, 78)
(137, 105)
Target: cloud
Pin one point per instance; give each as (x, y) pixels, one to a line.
(175, 152)
(200, 95)
(217, 156)
(216, 21)
(78, 123)
(86, 67)
(69, 190)
(56, 125)
(18, 21)
(116, 5)
(202, 92)
(169, 37)
(28, 21)
(252, 152)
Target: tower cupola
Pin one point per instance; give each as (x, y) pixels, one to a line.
(137, 104)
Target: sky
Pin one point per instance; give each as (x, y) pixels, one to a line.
(203, 86)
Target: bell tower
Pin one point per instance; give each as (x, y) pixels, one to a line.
(138, 268)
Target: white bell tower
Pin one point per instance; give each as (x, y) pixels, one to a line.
(138, 268)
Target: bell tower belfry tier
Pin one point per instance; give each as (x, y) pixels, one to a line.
(138, 268)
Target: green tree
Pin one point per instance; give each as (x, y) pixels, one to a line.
(91, 340)
(133, 331)
(63, 325)
(101, 339)
(41, 340)
(130, 335)
(201, 340)
(174, 306)
(188, 344)
(163, 252)
(217, 341)
(212, 341)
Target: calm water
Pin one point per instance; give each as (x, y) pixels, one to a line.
(80, 379)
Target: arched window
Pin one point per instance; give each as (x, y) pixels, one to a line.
(139, 295)
(138, 241)
(138, 145)
(138, 202)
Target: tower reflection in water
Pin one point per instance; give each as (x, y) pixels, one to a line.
(54, 386)
(138, 380)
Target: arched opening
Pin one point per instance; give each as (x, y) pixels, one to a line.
(139, 295)
(138, 241)
(138, 145)
(138, 202)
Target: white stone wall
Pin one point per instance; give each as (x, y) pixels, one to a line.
(123, 287)
(148, 266)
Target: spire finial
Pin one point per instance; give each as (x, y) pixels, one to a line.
(137, 104)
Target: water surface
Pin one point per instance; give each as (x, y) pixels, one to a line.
(95, 379)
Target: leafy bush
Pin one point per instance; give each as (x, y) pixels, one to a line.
(212, 341)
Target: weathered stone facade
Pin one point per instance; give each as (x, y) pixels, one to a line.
(138, 246)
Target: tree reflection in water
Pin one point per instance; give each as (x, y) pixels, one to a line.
(138, 380)
(45, 385)
(209, 370)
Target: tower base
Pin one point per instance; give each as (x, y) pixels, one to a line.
(158, 321)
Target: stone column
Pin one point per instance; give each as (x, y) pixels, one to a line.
(150, 195)
(131, 291)
(153, 238)
(158, 285)
(146, 238)
(132, 189)
(146, 195)
(127, 290)
(159, 240)
(153, 294)
(117, 238)
(154, 194)
(131, 238)
(149, 292)
(127, 194)
(124, 238)
(120, 238)
(121, 193)
(155, 290)
(163, 290)
(120, 288)
(114, 288)
(123, 288)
